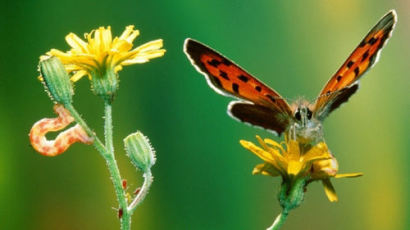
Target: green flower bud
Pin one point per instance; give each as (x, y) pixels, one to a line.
(140, 151)
(56, 80)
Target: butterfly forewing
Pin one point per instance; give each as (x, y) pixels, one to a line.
(361, 60)
(227, 78)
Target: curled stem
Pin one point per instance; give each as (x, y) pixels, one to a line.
(142, 193)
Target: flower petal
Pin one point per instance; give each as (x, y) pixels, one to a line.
(143, 57)
(76, 43)
(293, 150)
(262, 143)
(152, 45)
(266, 170)
(274, 144)
(274, 151)
(106, 39)
(295, 167)
(129, 34)
(120, 46)
(78, 75)
(265, 156)
(329, 190)
(318, 150)
(348, 175)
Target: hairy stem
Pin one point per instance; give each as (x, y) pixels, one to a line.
(113, 168)
(108, 127)
(108, 153)
(77, 117)
(142, 193)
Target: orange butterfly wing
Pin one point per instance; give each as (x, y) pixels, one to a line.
(361, 60)
(262, 107)
(227, 78)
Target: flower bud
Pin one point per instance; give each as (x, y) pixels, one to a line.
(56, 80)
(140, 151)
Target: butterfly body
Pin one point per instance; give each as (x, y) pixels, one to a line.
(261, 106)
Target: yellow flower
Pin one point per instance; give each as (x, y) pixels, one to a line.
(292, 160)
(100, 52)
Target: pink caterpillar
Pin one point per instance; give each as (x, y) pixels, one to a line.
(63, 140)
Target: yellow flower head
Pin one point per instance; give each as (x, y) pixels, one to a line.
(100, 52)
(292, 160)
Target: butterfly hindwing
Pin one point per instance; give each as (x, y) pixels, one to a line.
(258, 115)
(362, 59)
(336, 99)
(227, 78)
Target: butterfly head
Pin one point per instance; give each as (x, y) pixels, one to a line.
(305, 127)
(303, 115)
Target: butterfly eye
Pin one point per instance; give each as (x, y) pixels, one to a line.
(298, 116)
(309, 114)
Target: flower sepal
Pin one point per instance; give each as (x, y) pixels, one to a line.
(292, 193)
(105, 84)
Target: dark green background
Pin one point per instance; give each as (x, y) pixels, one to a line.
(203, 176)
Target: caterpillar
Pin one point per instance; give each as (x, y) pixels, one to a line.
(66, 138)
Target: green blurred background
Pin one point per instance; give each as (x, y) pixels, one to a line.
(203, 176)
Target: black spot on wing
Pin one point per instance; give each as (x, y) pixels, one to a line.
(350, 64)
(214, 63)
(372, 41)
(223, 74)
(217, 81)
(243, 78)
(365, 55)
(235, 87)
(226, 62)
(356, 71)
(272, 98)
(258, 88)
(195, 50)
(338, 78)
(362, 43)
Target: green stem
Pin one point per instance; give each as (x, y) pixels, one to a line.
(108, 127)
(142, 193)
(108, 153)
(122, 200)
(113, 168)
(290, 196)
(280, 219)
(77, 117)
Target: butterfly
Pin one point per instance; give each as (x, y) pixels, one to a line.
(261, 106)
